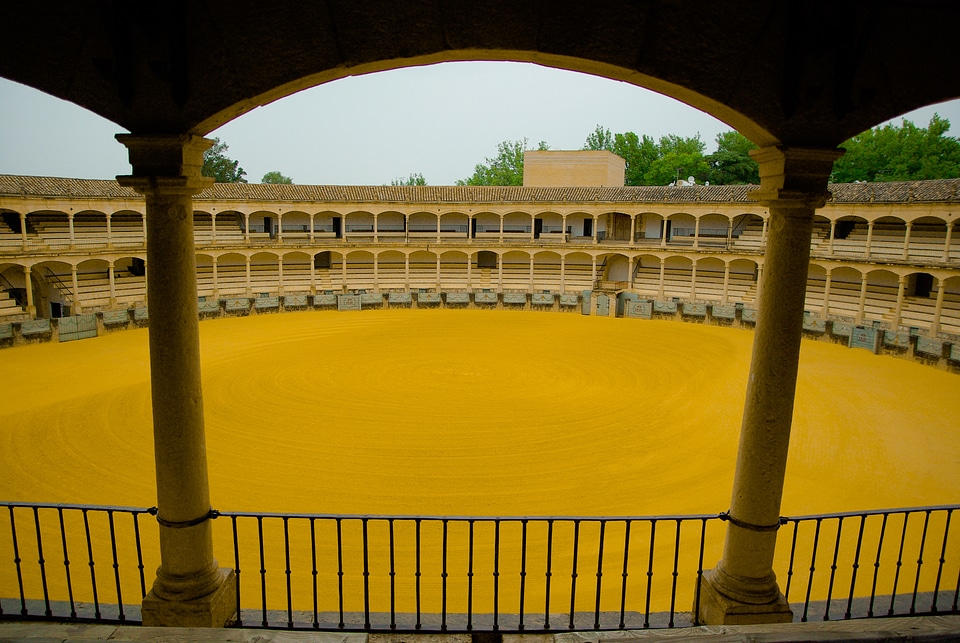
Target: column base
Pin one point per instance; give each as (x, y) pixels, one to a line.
(718, 609)
(213, 610)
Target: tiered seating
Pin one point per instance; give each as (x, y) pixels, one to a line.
(8, 306)
(741, 287)
(750, 239)
(577, 277)
(93, 288)
(546, 276)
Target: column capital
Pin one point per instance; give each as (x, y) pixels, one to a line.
(794, 177)
(169, 163)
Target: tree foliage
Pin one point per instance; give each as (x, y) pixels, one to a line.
(905, 153)
(276, 178)
(506, 168)
(412, 179)
(732, 164)
(218, 165)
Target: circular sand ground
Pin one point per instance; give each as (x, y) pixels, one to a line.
(474, 412)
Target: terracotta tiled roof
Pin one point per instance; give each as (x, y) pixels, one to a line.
(945, 190)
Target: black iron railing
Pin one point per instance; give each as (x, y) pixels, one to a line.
(44, 544)
(460, 574)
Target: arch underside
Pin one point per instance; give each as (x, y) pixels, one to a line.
(793, 74)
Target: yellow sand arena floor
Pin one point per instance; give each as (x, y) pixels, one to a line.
(474, 412)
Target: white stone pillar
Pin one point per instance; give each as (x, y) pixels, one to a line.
(313, 234)
(77, 306)
(898, 311)
(759, 284)
(763, 231)
(246, 227)
(499, 272)
(742, 587)
(826, 294)
(633, 229)
(833, 234)
(563, 228)
(696, 233)
(73, 238)
(438, 227)
(726, 283)
(406, 227)
(28, 286)
(906, 240)
(469, 229)
(343, 272)
(213, 228)
(938, 309)
(531, 273)
(663, 232)
(190, 589)
(313, 272)
(533, 228)
(249, 289)
(593, 274)
(729, 232)
(280, 276)
(279, 227)
(406, 271)
(469, 270)
(109, 230)
(144, 222)
(563, 273)
(501, 229)
(438, 269)
(866, 249)
(693, 281)
(596, 231)
(947, 241)
(863, 298)
(216, 285)
(630, 261)
(23, 230)
(113, 291)
(663, 269)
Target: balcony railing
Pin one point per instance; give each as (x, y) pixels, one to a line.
(461, 574)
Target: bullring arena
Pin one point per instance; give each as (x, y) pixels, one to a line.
(482, 352)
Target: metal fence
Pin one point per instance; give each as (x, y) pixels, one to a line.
(461, 574)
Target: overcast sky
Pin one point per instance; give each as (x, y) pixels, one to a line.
(438, 120)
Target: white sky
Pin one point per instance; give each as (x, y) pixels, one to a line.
(438, 120)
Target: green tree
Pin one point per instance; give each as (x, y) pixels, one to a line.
(412, 179)
(599, 139)
(905, 153)
(506, 168)
(218, 165)
(638, 152)
(679, 157)
(276, 177)
(732, 164)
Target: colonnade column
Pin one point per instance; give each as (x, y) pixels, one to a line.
(633, 229)
(469, 228)
(729, 233)
(946, 243)
(216, 286)
(28, 286)
(376, 270)
(406, 271)
(596, 231)
(906, 240)
(144, 222)
(663, 233)
(833, 234)
(531, 273)
(630, 272)
(863, 298)
(190, 589)
(696, 232)
(866, 248)
(376, 237)
(533, 228)
(313, 272)
(113, 291)
(663, 269)
(246, 227)
(438, 228)
(280, 276)
(343, 272)
(593, 274)
(726, 283)
(280, 227)
(901, 288)
(693, 282)
(77, 306)
(763, 231)
(313, 234)
(109, 231)
(23, 230)
(438, 270)
(935, 324)
(825, 310)
(469, 270)
(563, 274)
(249, 289)
(742, 588)
(213, 227)
(501, 228)
(73, 238)
(500, 272)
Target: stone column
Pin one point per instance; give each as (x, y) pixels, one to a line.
(500, 270)
(246, 227)
(249, 289)
(726, 283)
(630, 272)
(438, 266)
(663, 233)
(469, 270)
(826, 294)
(696, 232)
(866, 249)
(633, 229)
(144, 222)
(77, 306)
(863, 298)
(946, 242)
(531, 273)
(113, 291)
(313, 273)
(742, 588)
(663, 269)
(563, 228)
(376, 271)
(593, 274)
(438, 228)
(406, 227)
(729, 233)
(935, 324)
(833, 234)
(73, 238)
(763, 232)
(109, 231)
(313, 234)
(28, 286)
(563, 273)
(596, 231)
(693, 281)
(533, 228)
(280, 276)
(469, 228)
(343, 273)
(190, 589)
(23, 230)
(906, 241)
(501, 229)
(279, 227)
(901, 288)
(406, 271)
(759, 284)
(216, 286)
